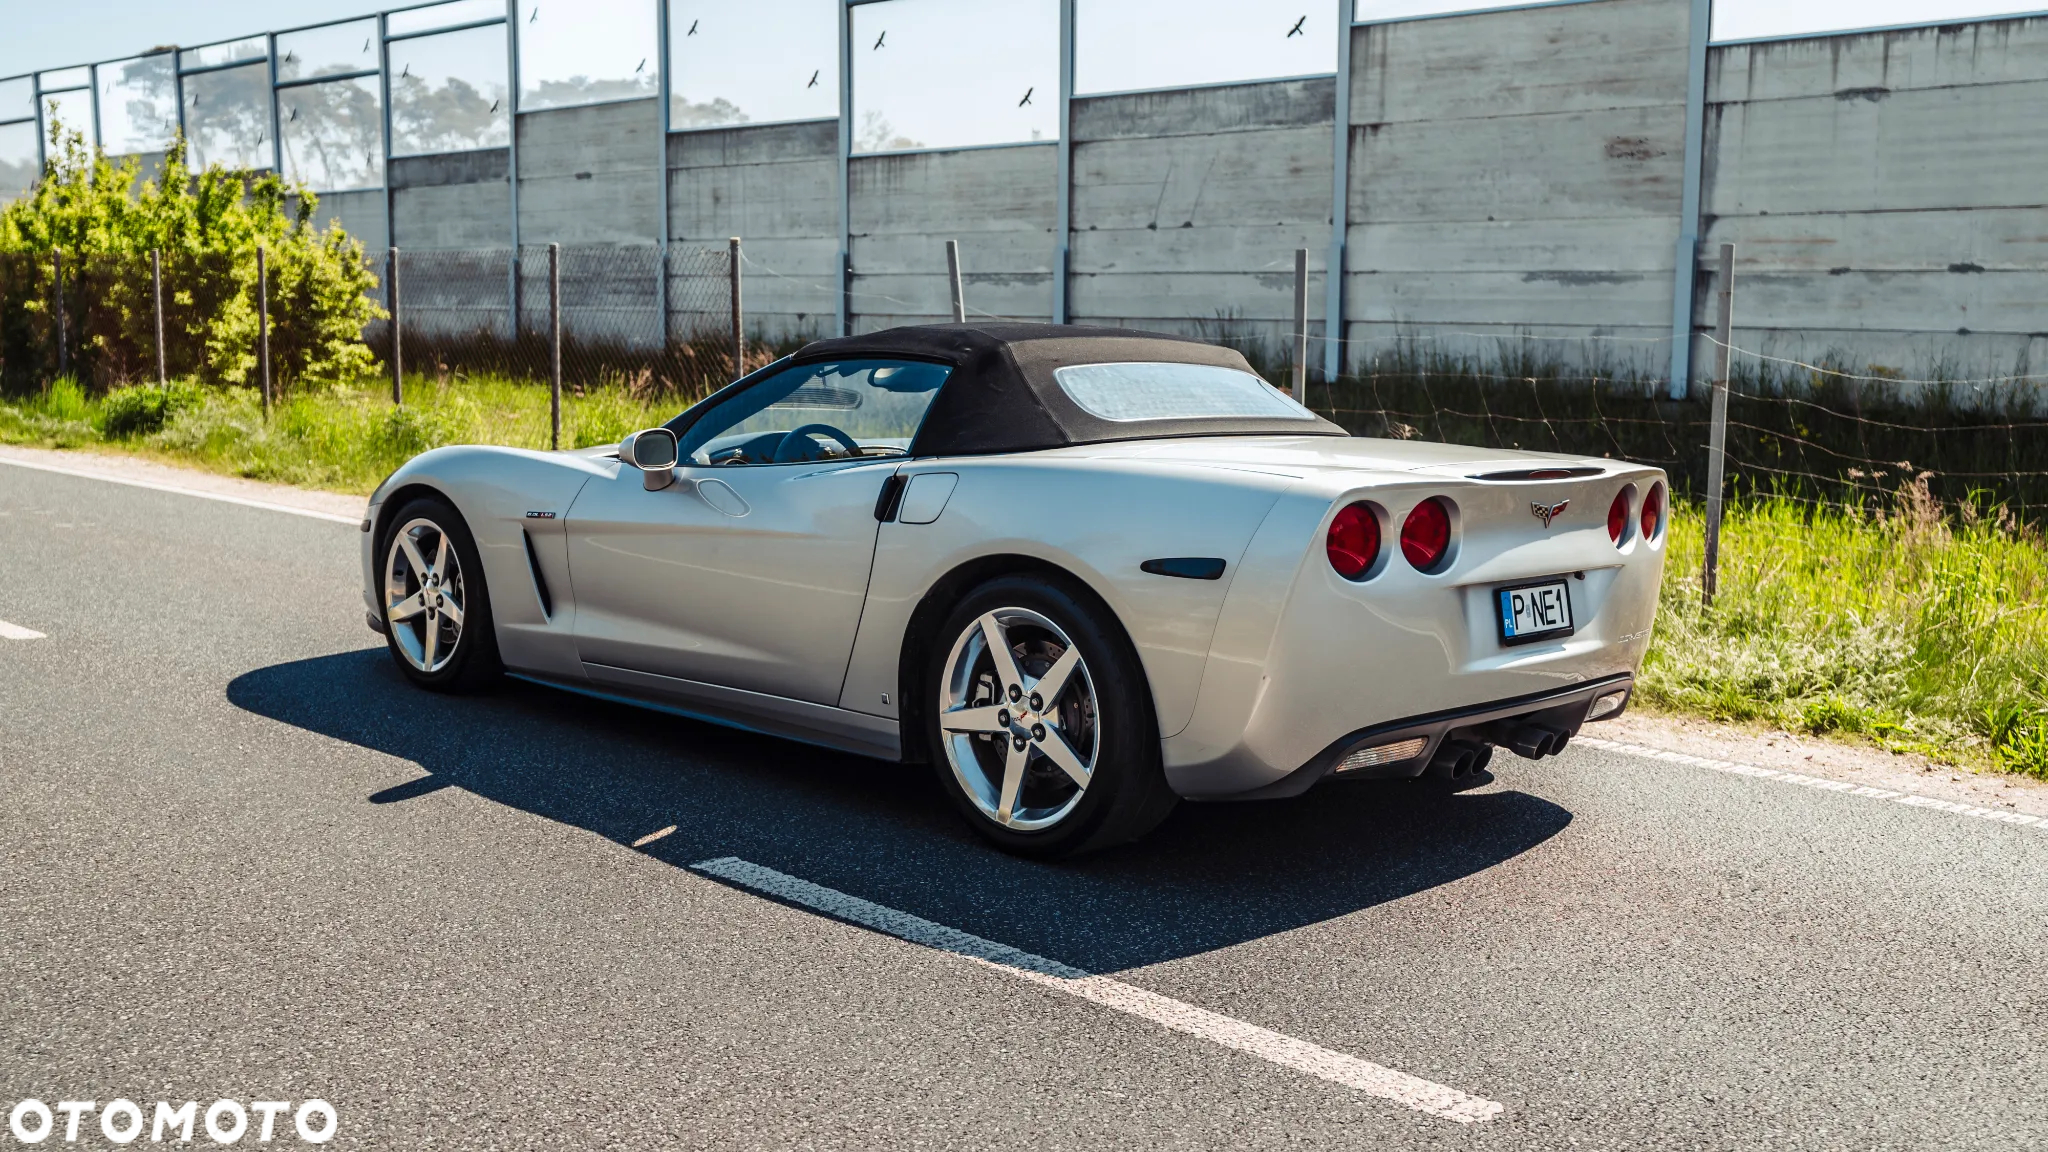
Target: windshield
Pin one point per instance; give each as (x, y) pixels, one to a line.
(841, 408)
(1150, 391)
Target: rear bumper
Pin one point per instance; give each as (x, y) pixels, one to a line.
(1565, 710)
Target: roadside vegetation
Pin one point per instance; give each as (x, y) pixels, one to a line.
(1918, 628)
(340, 437)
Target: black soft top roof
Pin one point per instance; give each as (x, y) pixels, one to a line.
(1001, 395)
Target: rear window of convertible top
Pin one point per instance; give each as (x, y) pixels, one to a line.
(1148, 391)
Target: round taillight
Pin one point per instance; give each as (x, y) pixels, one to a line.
(1426, 535)
(1354, 542)
(1617, 517)
(1653, 511)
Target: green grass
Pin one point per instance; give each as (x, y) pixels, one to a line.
(344, 438)
(1920, 627)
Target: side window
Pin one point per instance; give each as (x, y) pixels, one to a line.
(835, 410)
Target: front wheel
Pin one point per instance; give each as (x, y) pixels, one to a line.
(437, 613)
(1040, 723)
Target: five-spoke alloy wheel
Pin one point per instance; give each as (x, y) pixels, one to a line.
(1040, 725)
(436, 614)
(1018, 713)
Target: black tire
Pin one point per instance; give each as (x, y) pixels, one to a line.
(1126, 795)
(474, 665)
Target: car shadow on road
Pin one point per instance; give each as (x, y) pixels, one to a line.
(1213, 875)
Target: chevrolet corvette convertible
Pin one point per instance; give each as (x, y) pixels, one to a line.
(1082, 573)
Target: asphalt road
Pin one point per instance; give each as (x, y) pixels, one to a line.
(240, 858)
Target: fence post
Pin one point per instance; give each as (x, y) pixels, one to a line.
(1299, 388)
(63, 343)
(739, 340)
(263, 324)
(554, 347)
(1717, 437)
(392, 298)
(953, 277)
(156, 293)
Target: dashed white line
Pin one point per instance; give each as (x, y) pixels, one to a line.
(1910, 799)
(1287, 1051)
(17, 632)
(153, 486)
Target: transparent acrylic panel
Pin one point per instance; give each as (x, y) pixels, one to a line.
(1121, 45)
(333, 134)
(73, 112)
(227, 118)
(953, 73)
(17, 98)
(1174, 392)
(335, 50)
(1755, 19)
(248, 48)
(138, 104)
(80, 77)
(591, 51)
(445, 16)
(448, 92)
(17, 159)
(752, 63)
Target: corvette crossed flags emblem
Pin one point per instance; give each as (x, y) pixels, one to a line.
(1548, 512)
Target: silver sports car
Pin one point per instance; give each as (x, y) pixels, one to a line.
(1081, 572)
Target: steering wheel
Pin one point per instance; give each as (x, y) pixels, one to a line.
(794, 445)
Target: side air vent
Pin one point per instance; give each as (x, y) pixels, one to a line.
(540, 582)
(1539, 474)
(1186, 567)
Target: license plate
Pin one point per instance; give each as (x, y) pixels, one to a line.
(1532, 612)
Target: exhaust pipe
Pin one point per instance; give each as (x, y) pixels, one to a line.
(1459, 760)
(1535, 741)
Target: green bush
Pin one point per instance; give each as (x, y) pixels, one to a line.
(143, 409)
(106, 219)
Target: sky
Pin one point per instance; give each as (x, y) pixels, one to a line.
(1170, 37)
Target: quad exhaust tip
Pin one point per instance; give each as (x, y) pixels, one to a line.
(1536, 741)
(1460, 759)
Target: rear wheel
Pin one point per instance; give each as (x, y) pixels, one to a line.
(437, 613)
(1040, 724)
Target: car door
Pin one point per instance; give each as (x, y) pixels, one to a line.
(748, 572)
(748, 578)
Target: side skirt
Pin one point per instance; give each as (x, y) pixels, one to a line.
(820, 725)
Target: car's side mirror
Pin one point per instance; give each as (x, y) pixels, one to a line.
(653, 452)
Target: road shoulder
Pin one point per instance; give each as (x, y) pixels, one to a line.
(130, 469)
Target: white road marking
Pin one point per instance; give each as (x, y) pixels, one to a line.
(1300, 1055)
(17, 632)
(1911, 800)
(153, 486)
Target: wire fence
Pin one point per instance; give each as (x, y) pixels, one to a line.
(626, 315)
(663, 323)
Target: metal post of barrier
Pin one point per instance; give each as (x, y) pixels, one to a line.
(1299, 387)
(953, 278)
(391, 299)
(156, 295)
(739, 340)
(263, 324)
(554, 347)
(1717, 437)
(63, 341)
